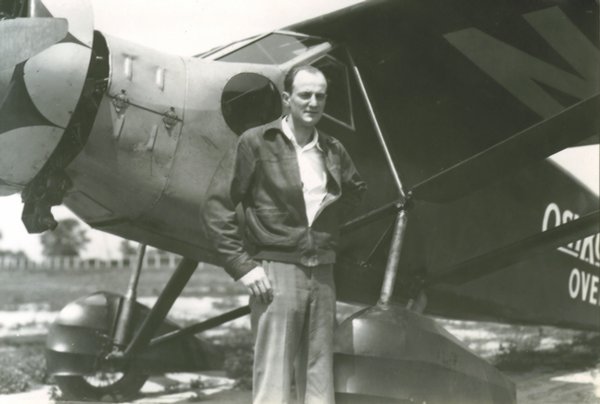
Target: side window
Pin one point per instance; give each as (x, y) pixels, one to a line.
(249, 100)
(275, 48)
(339, 101)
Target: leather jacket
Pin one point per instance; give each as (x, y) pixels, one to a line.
(263, 175)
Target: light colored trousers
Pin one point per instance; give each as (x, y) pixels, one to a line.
(294, 332)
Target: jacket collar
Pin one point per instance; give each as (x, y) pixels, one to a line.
(313, 142)
(276, 127)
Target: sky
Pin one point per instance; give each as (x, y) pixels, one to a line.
(188, 27)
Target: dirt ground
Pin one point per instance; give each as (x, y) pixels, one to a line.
(557, 387)
(536, 387)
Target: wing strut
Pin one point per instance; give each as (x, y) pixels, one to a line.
(496, 260)
(386, 149)
(391, 270)
(537, 142)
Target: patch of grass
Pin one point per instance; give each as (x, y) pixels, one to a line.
(238, 345)
(21, 366)
(582, 352)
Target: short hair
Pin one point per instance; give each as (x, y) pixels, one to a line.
(288, 81)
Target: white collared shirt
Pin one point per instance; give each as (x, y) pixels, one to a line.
(312, 171)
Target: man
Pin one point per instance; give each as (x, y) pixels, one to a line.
(293, 183)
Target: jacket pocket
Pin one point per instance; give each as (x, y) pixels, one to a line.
(266, 227)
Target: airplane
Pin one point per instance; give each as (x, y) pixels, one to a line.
(449, 110)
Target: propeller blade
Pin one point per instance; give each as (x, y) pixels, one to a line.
(23, 38)
(535, 143)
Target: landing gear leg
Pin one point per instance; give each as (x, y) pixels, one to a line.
(117, 385)
(391, 269)
(123, 327)
(101, 359)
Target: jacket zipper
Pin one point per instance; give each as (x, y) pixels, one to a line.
(310, 238)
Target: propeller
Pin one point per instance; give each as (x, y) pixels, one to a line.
(44, 60)
(537, 142)
(26, 37)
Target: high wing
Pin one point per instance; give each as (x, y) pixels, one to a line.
(471, 99)
(451, 79)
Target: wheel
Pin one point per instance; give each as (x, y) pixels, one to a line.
(117, 386)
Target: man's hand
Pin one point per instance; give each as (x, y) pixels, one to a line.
(258, 284)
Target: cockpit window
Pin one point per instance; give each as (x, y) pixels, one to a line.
(276, 48)
(218, 51)
(339, 101)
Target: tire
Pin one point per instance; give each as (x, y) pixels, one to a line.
(114, 386)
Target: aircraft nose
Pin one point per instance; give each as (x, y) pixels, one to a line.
(23, 39)
(43, 66)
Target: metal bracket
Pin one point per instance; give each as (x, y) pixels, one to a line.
(170, 119)
(121, 102)
(39, 196)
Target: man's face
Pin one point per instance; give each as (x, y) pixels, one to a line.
(307, 100)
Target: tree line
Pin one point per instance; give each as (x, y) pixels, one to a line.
(68, 239)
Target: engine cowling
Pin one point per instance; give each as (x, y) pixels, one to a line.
(43, 69)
